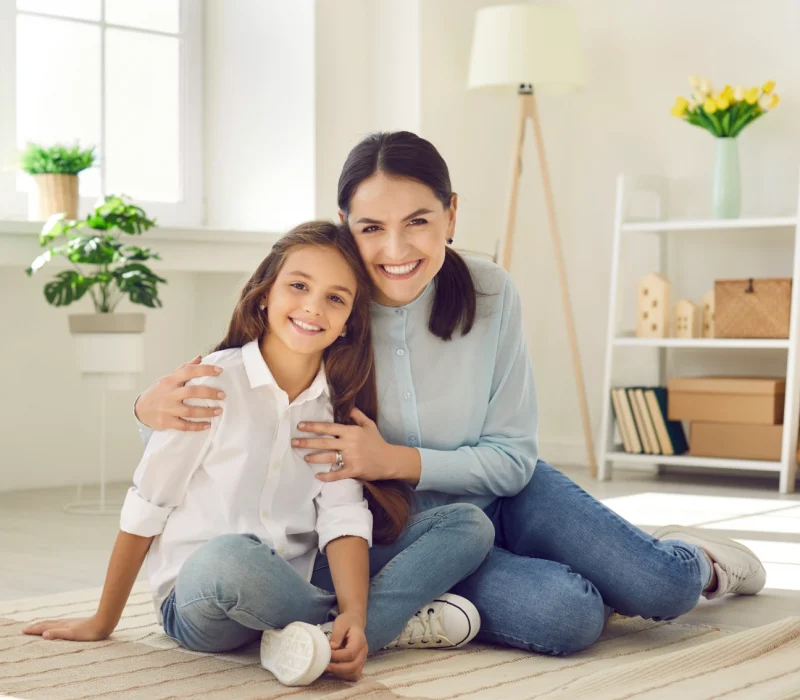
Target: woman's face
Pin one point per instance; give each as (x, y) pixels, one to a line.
(401, 230)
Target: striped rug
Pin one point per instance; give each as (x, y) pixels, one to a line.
(634, 659)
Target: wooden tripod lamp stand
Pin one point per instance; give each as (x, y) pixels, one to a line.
(527, 48)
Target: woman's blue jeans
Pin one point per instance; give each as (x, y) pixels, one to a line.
(562, 560)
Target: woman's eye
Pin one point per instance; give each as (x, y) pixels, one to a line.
(298, 285)
(418, 222)
(336, 299)
(369, 229)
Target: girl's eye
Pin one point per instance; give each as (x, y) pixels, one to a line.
(336, 299)
(418, 222)
(298, 285)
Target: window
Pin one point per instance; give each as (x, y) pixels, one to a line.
(124, 76)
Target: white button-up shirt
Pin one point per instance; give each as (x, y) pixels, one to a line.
(241, 476)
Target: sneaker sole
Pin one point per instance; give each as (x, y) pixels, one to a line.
(717, 539)
(296, 655)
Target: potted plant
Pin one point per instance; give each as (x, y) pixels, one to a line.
(107, 267)
(724, 114)
(54, 172)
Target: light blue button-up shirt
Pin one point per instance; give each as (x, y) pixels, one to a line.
(468, 404)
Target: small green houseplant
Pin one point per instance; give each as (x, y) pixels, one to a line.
(54, 171)
(116, 266)
(107, 268)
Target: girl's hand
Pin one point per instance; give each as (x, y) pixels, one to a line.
(86, 629)
(366, 455)
(348, 648)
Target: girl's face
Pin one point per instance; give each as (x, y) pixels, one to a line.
(401, 230)
(311, 300)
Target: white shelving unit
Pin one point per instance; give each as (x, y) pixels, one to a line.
(609, 453)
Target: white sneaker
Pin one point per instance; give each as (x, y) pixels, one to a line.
(298, 654)
(448, 622)
(738, 569)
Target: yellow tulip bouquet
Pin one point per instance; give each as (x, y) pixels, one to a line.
(727, 112)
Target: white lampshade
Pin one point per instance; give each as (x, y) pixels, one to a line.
(516, 44)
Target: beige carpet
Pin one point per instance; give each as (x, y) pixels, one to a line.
(634, 659)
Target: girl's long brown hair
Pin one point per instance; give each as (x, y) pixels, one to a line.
(349, 362)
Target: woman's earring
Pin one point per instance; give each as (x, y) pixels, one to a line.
(343, 334)
(450, 241)
(262, 307)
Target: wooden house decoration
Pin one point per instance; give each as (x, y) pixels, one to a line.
(686, 319)
(652, 306)
(707, 315)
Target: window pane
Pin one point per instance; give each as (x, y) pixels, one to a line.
(58, 90)
(142, 154)
(79, 9)
(159, 15)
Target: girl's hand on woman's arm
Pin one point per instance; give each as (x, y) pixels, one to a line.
(366, 455)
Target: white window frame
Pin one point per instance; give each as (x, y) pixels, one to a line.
(190, 210)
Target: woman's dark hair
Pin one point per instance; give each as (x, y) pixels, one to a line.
(405, 155)
(349, 362)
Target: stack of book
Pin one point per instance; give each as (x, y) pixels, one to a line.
(644, 427)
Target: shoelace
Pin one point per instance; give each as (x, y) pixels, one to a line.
(425, 627)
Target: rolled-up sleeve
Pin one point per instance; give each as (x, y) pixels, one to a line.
(503, 460)
(162, 477)
(342, 511)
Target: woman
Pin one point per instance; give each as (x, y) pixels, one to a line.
(458, 421)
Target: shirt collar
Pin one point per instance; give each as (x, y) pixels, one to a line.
(420, 301)
(258, 373)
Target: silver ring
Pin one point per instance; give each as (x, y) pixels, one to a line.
(339, 460)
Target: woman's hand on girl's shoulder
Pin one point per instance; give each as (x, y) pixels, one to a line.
(161, 406)
(365, 454)
(83, 629)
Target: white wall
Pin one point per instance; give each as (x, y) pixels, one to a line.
(259, 113)
(638, 56)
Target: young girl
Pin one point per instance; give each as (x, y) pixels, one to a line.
(232, 515)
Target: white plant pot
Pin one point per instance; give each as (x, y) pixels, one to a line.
(110, 345)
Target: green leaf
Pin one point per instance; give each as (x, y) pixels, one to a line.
(139, 283)
(37, 264)
(68, 286)
(58, 159)
(726, 124)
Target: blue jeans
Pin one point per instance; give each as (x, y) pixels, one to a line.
(235, 586)
(562, 560)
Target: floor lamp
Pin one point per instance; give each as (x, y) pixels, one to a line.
(522, 48)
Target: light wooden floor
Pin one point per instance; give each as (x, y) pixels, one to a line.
(45, 550)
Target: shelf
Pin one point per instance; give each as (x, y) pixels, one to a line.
(708, 343)
(689, 461)
(709, 224)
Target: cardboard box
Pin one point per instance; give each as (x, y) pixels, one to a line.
(735, 441)
(756, 400)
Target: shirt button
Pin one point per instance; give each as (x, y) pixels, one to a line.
(400, 351)
(275, 466)
(412, 440)
(407, 395)
(264, 513)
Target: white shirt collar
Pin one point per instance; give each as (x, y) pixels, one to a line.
(258, 373)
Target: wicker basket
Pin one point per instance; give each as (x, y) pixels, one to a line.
(753, 308)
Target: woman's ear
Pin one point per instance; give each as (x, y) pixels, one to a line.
(451, 214)
(342, 217)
